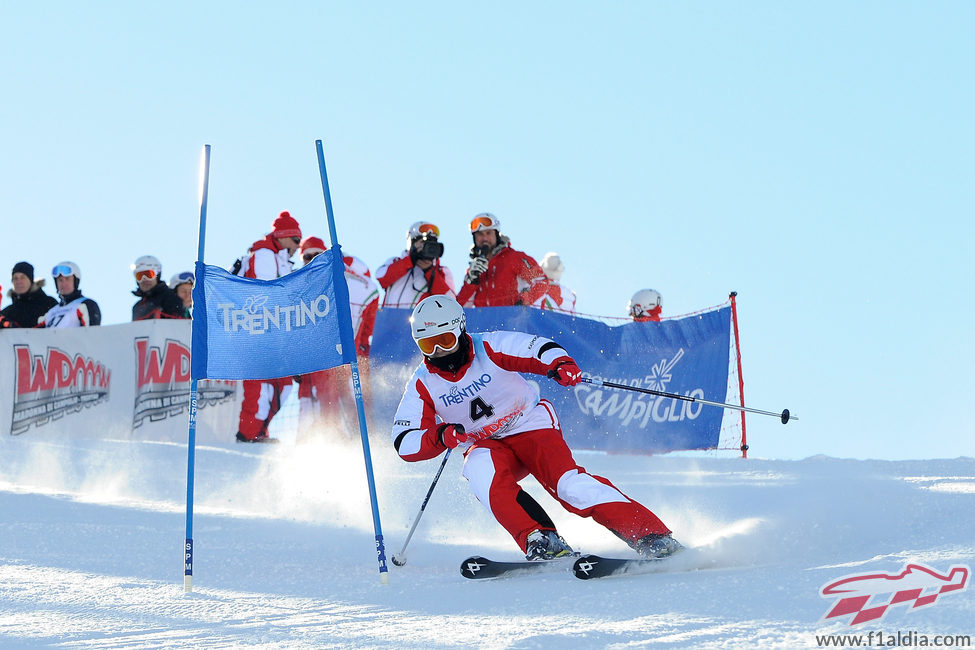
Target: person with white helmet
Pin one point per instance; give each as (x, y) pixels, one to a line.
(468, 390)
(182, 283)
(156, 299)
(645, 305)
(267, 259)
(499, 275)
(73, 309)
(558, 297)
(417, 272)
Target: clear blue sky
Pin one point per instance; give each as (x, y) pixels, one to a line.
(816, 158)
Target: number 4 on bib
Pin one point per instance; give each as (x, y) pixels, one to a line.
(480, 410)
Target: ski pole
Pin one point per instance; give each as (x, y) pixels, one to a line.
(785, 416)
(399, 559)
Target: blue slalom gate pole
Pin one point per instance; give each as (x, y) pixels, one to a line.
(346, 323)
(191, 435)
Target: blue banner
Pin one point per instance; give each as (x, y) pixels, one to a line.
(261, 329)
(686, 356)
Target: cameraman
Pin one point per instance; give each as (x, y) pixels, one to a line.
(417, 272)
(499, 276)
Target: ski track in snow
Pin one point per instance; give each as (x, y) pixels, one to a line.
(91, 553)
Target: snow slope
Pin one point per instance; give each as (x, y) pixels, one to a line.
(92, 532)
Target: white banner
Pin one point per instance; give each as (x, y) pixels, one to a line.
(117, 381)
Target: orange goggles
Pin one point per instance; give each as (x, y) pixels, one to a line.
(483, 223)
(445, 341)
(428, 229)
(148, 274)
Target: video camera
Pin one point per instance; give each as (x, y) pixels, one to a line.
(430, 250)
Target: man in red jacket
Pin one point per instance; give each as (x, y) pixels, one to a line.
(499, 276)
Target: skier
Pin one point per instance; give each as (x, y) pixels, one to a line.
(558, 297)
(73, 309)
(267, 259)
(645, 305)
(498, 275)
(417, 272)
(156, 299)
(468, 390)
(28, 300)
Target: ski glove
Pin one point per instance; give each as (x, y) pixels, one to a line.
(567, 373)
(478, 266)
(452, 435)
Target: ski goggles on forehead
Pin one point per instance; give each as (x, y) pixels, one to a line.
(445, 341)
(483, 223)
(61, 269)
(185, 277)
(146, 274)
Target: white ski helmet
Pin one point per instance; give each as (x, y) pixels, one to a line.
(437, 321)
(553, 266)
(183, 277)
(485, 221)
(643, 302)
(148, 263)
(419, 229)
(66, 269)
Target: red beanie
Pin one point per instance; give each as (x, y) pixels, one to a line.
(285, 226)
(312, 244)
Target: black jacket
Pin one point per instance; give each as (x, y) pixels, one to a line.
(158, 302)
(27, 308)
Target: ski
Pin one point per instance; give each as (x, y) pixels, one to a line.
(481, 568)
(590, 566)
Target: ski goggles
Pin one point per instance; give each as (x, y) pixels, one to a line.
(484, 222)
(184, 278)
(145, 274)
(428, 229)
(61, 270)
(445, 341)
(312, 254)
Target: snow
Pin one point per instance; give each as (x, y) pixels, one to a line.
(92, 537)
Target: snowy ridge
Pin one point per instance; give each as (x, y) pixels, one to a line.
(93, 530)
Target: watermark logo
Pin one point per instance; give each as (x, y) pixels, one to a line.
(869, 596)
(53, 384)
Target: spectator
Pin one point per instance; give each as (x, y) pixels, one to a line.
(267, 259)
(325, 400)
(645, 305)
(511, 432)
(363, 292)
(156, 299)
(182, 283)
(499, 276)
(417, 272)
(29, 303)
(558, 297)
(73, 309)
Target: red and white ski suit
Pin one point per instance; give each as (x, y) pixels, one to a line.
(406, 284)
(489, 397)
(558, 298)
(263, 397)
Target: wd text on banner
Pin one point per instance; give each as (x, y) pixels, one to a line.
(261, 329)
(686, 356)
(127, 381)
